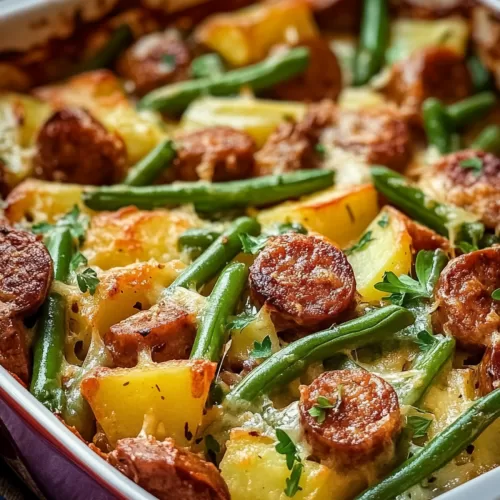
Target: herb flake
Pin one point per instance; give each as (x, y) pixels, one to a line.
(383, 222)
(475, 165)
(252, 244)
(262, 350)
(241, 321)
(418, 425)
(361, 244)
(323, 404)
(87, 280)
(292, 482)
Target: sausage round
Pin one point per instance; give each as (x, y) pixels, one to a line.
(25, 272)
(431, 72)
(489, 369)
(363, 422)
(466, 309)
(476, 190)
(167, 471)
(214, 154)
(304, 280)
(72, 146)
(154, 60)
(321, 80)
(14, 352)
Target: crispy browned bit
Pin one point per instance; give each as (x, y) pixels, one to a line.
(466, 309)
(14, 354)
(321, 80)
(364, 420)
(25, 272)
(489, 369)
(303, 280)
(214, 154)
(167, 471)
(167, 329)
(154, 60)
(431, 72)
(4, 187)
(72, 146)
(468, 179)
(338, 15)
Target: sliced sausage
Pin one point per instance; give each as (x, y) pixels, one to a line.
(167, 471)
(25, 272)
(72, 146)
(14, 355)
(363, 423)
(466, 309)
(321, 80)
(214, 154)
(475, 189)
(489, 369)
(166, 328)
(154, 60)
(303, 280)
(431, 72)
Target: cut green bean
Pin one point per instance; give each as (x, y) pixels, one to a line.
(199, 239)
(373, 40)
(119, 40)
(440, 450)
(436, 125)
(212, 197)
(291, 361)
(488, 140)
(468, 110)
(222, 302)
(147, 170)
(218, 254)
(46, 383)
(481, 77)
(176, 97)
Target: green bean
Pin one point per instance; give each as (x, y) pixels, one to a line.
(212, 197)
(436, 125)
(440, 450)
(399, 191)
(119, 40)
(468, 110)
(222, 302)
(197, 239)
(46, 384)
(373, 40)
(146, 171)
(176, 97)
(289, 362)
(488, 140)
(217, 255)
(481, 77)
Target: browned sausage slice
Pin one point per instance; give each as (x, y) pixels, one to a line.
(431, 72)
(466, 309)
(154, 60)
(25, 272)
(72, 146)
(304, 280)
(14, 355)
(214, 154)
(166, 328)
(321, 80)
(167, 471)
(474, 189)
(489, 369)
(363, 423)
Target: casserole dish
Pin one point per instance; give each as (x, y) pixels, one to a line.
(43, 43)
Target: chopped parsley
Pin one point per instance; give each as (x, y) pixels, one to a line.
(241, 321)
(286, 446)
(253, 244)
(262, 350)
(212, 448)
(292, 482)
(384, 220)
(73, 220)
(474, 164)
(87, 280)
(425, 340)
(361, 244)
(320, 149)
(78, 260)
(169, 60)
(418, 425)
(323, 404)
(291, 227)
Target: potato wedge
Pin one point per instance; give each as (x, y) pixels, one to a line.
(245, 36)
(257, 117)
(165, 399)
(339, 214)
(253, 469)
(389, 250)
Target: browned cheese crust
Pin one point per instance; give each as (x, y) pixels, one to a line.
(473, 190)
(321, 80)
(214, 154)
(154, 60)
(362, 424)
(167, 471)
(167, 329)
(431, 72)
(466, 309)
(304, 280)
(72, 146)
